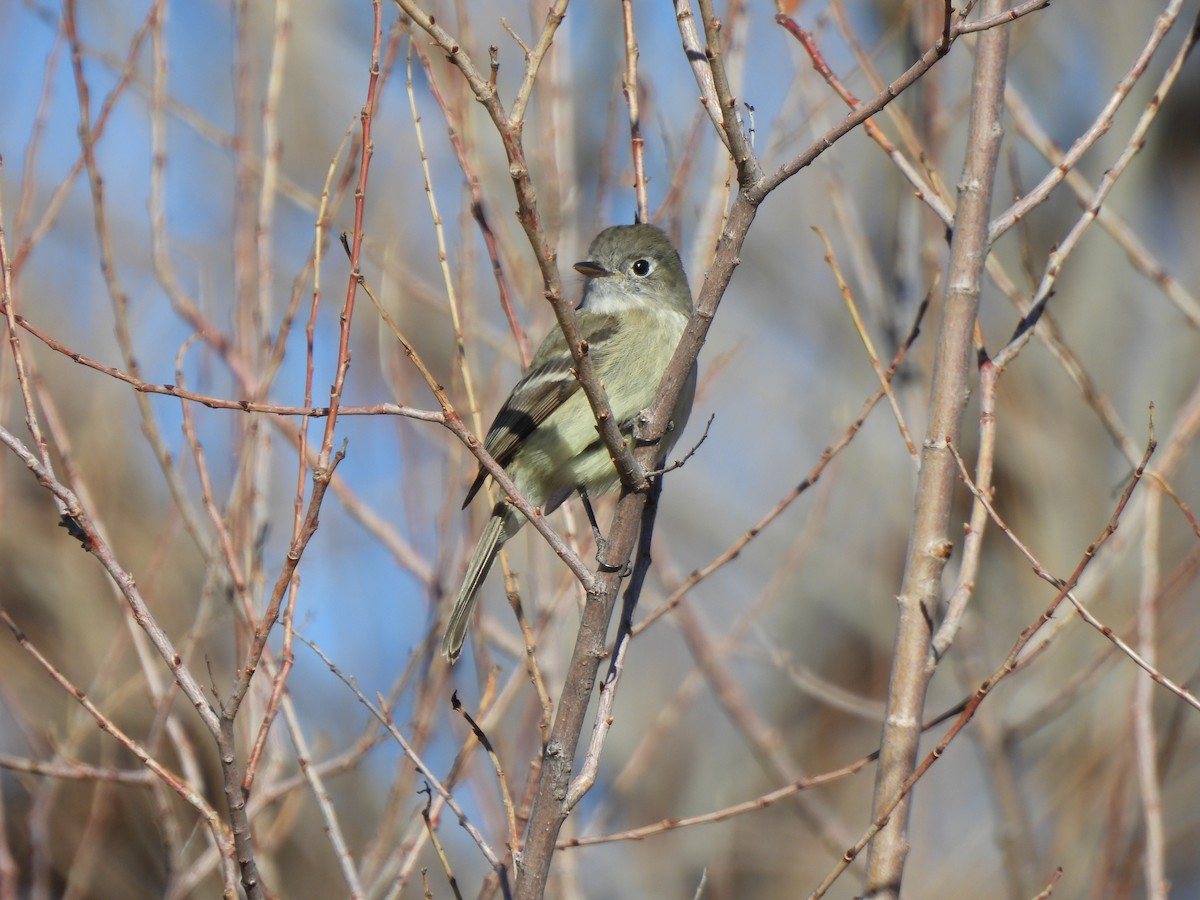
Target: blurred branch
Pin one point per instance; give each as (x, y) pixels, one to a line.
(1103, 123)
(1146, 741)
(629, 85)
(762, 736)
(1110, 220)
(76, 771)
(94, 130)
(926, 193)
(94, 544)
(1054, 261)
(14, 344)
(864, 111)
(479, 210)
(384, 717)
(868, 344)
(323, 800)
(182, 789)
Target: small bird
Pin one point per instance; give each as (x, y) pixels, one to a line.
(636, 303)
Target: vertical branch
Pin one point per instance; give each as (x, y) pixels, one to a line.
(1146, 742)
(479, 209)
(533, 61)
(701, 70)
(14, 343)
(739, 146)
(629, 85)
(549, 809)
(238, 818)
(367, 150)
(159, 248)
(9, 874)
(929, 540)
(583, 782)
(972, 551)
(253, 516)
(327, 461)
(460, 347)
(95, 128)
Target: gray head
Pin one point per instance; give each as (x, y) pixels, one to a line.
(634, 263)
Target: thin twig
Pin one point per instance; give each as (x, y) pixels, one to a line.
(249, 406)
(501, 779)
(868, 344)
(384, 717)
(738, 809)
(1103, 122)
(1137, 137)
(181, 788)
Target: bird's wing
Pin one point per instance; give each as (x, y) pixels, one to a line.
(546, 386)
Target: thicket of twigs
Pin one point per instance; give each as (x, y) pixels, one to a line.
(923, 602)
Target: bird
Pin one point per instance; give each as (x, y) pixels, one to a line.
(634, 307)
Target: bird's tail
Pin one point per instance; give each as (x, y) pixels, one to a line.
(490, 542)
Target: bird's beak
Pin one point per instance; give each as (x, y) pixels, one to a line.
(591, 269)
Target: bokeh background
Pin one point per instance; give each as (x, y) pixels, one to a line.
(772, 667)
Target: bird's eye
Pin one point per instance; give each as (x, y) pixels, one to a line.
(641, 268)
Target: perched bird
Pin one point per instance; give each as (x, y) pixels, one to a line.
(636, 302)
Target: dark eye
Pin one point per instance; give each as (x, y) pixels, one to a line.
(641, 268)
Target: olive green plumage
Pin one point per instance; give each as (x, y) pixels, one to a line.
(636, 303)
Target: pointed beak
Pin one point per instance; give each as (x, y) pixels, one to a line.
(591, 269)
